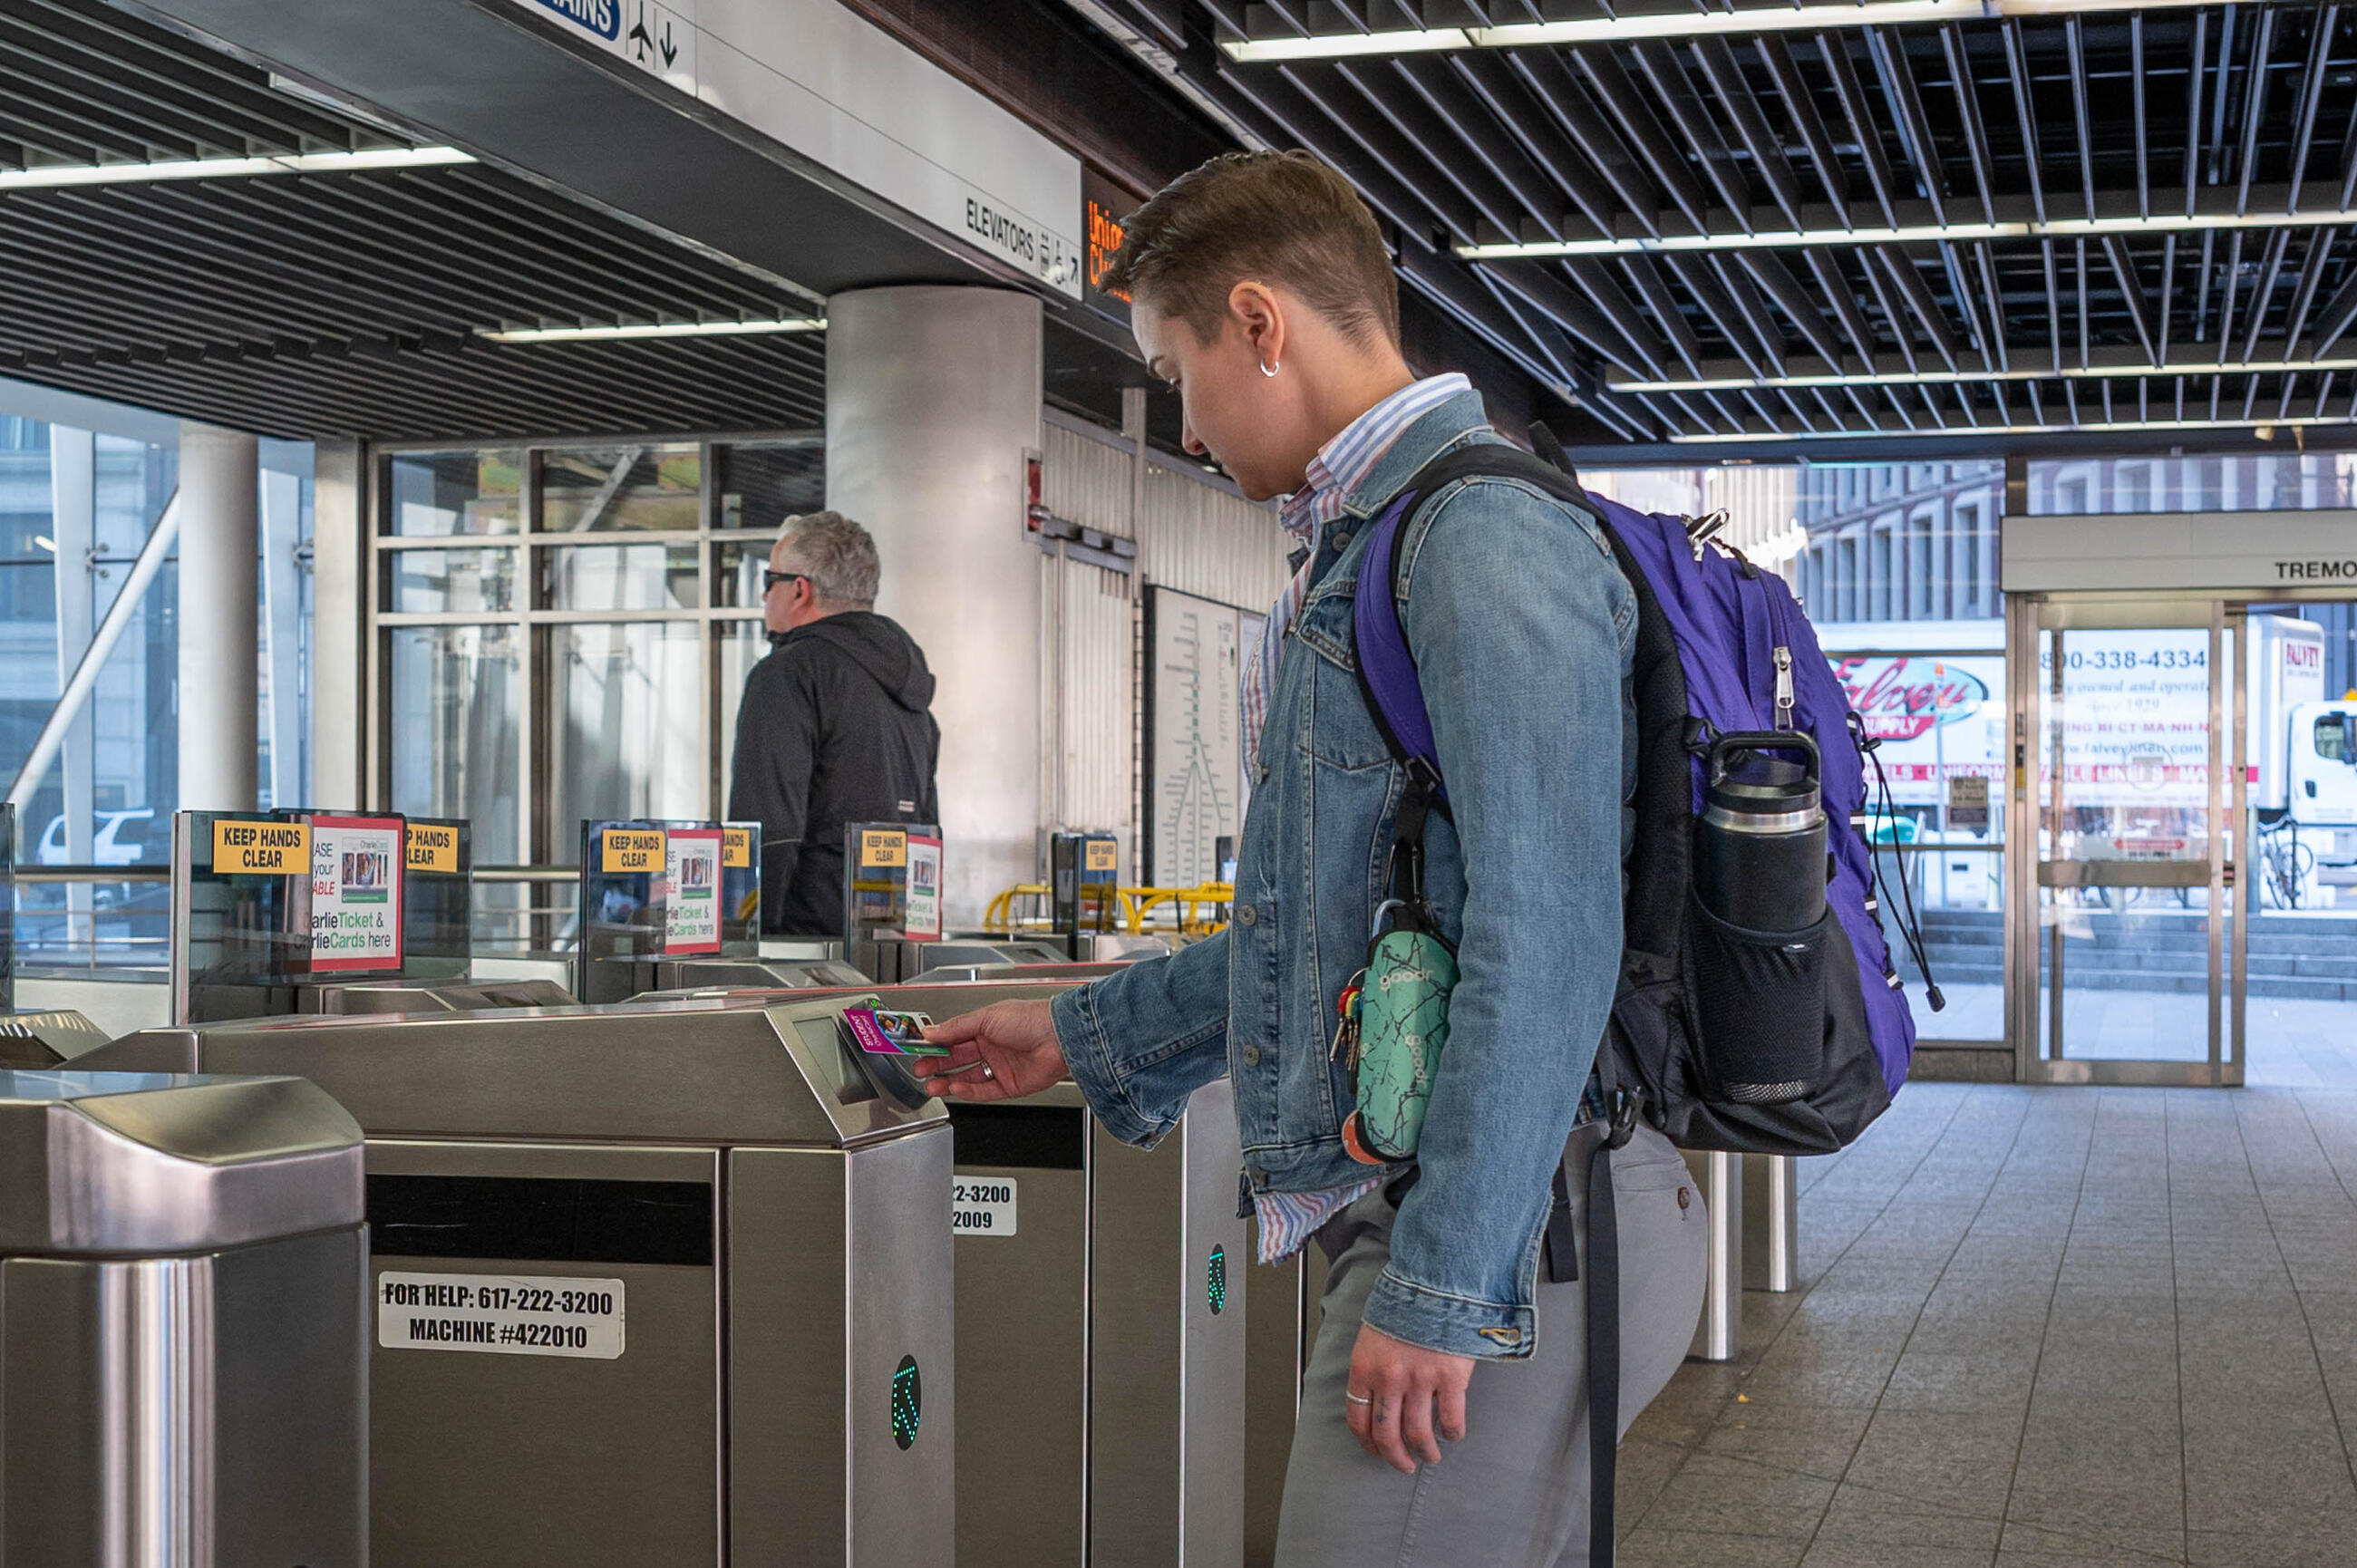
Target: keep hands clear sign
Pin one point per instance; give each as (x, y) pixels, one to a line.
(356, 865)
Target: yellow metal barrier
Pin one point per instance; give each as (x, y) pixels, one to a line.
(1192, 911)
(1141, 903)
(999, 917)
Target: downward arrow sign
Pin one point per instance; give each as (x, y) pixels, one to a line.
(670, 50)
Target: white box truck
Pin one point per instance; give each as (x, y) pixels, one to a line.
(2303, 764)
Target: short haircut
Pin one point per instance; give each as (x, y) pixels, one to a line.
(837, 556)
(1278, 218)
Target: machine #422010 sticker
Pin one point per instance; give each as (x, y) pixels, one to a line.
(506, 1314)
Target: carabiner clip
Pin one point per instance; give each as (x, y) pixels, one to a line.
(1385, 907)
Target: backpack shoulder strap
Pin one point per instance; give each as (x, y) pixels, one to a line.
(1386, 664)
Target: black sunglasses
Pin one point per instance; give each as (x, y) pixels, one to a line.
(772, 579)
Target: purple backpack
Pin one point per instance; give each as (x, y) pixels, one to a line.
(1724, 664)
(1710, 627)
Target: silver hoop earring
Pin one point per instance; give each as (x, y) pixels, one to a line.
(1267, 369)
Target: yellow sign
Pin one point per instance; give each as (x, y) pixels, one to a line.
(736, 847)
(631, 849)
(433, 847)
(887, 848)
(268, 849)
(1101, 854)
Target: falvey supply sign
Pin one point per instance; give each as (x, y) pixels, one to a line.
(1937, 716)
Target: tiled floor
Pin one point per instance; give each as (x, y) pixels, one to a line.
(2039, 1329)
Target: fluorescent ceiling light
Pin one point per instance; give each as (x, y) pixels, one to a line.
(59, 176)
(1914, 234)
(1675, 25)
(654, 329)
(1970, 378)
(2090, 427)
(1346, 45)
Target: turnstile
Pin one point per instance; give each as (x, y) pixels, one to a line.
(658, 1283)
(1101, 1293)
(182, 1367)
(1279, 1332)
(1101, 1312)
(896, 960)
(963, 973)
(743, 974)
(216, 1003)
(47, 1039)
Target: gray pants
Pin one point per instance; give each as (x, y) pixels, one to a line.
(1514, 1493)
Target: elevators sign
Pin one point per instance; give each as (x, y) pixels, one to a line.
(691, 870)
(356, 915)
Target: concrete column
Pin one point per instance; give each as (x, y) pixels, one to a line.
(338, 651)
(220, 643)
(932, 399)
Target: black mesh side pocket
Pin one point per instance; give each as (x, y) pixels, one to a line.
(1760, 996)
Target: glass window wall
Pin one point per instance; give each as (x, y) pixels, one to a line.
(455, 492)
(743, 644)
(581, 653)
(626, 704)
(461, 728)
(2297, 481)
(76, 508)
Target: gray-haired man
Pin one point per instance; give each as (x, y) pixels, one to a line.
(835, 726)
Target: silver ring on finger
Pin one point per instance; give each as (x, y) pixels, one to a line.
(1356, 1398)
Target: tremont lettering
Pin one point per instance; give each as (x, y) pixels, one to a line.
(2316, 571)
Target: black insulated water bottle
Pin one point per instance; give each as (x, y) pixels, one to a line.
(1760, 877)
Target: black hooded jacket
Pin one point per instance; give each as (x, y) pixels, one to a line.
(834, 728)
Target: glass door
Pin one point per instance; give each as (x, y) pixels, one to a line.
(2126, 957)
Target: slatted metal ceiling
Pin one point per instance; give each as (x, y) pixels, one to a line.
(2019, 223)
(341, 303)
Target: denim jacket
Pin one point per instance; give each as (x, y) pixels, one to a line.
(1521, 626)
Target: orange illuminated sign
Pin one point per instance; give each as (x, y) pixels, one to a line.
(1105, 236)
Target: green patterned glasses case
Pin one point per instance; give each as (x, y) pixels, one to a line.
(1403, 1025)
